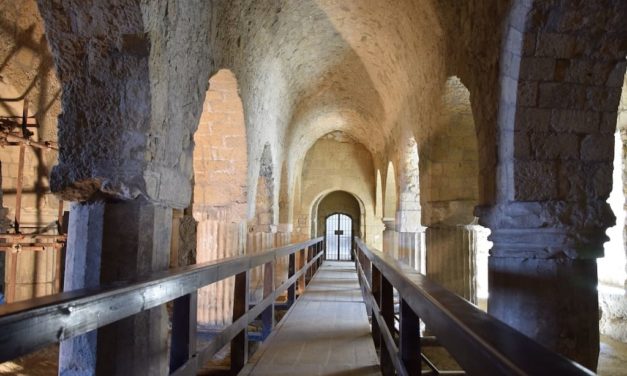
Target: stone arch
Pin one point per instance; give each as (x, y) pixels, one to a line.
(562, 67)
(317, 222)
(390, 198)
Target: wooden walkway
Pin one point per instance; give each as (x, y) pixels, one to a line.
(326, 332)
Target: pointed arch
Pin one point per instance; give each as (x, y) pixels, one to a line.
(220, 158)
(390, 200)
(379, 196)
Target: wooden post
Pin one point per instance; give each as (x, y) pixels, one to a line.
(301, 263)
(291, 269)
(239, 344)
(183, 345)
(64, 218)
(267, 316)
(375, 285)
(320, 249)
(387, 311)
(409, 346)
(307, 256)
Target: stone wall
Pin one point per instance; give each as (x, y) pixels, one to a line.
(338, 163)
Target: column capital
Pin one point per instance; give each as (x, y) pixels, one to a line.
(548, 229)
(389, 223)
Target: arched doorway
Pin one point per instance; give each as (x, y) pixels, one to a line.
(339, 237)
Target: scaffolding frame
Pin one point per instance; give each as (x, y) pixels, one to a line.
(12, 243)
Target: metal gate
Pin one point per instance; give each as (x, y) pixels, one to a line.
(339, 237)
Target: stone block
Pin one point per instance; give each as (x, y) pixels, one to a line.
(533, 119)
(561, 95)
(597, 147)
(527, 93)
(600, 98)
(608, 122)
(576, 121)
(545, 146)
(529, 44)
(616, 77)
(568, 146)
(556, 45)
(522, 148)
(588, 71)
(535, 180)
(537, 68)
(601, 179)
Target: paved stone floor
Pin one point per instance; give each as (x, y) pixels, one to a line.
(325, 333)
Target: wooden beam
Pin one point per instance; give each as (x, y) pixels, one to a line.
(29, 325)
(481, 344)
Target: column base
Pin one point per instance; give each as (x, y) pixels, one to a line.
(553, 301)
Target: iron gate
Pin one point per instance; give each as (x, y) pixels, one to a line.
(339, 237)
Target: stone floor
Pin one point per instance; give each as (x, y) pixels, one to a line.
(325, 333)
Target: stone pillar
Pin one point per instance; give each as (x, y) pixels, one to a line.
(283, 238)
(410, 248)
(135, 243)
(218, 238)
(410, 231)
(77, 355)
(553, 301)
(390, 237)
(450, 259)
(543, 274)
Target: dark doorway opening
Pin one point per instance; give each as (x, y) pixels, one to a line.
(339, 237)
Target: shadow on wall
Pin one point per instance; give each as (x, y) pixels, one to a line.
(27, 73)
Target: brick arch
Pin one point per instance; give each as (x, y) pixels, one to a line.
(220, 152)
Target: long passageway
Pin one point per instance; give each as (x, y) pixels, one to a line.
(325, 333)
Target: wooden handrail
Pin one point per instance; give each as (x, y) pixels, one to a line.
(32, 324)
(481, 344)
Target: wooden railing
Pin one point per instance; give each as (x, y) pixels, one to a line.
(30, 325)
(481, 344)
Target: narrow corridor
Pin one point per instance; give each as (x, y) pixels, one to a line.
(325, 333)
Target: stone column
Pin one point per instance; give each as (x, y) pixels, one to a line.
(450, 259)
(410, 248)
(390, 237)
(77, 355)
(135, 243)
(410, 231)
(217, 238)
(543, 274)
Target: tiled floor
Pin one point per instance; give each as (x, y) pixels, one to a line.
(325, 333)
